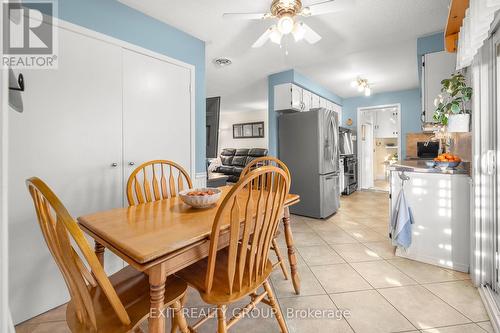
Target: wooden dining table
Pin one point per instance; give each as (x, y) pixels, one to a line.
(162, 237)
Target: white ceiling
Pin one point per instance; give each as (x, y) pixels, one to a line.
(376, 40)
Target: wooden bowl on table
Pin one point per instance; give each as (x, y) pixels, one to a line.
(200, 197)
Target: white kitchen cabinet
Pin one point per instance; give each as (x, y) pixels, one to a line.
(289, 97)
(436, 67)
(315, 101)
(323, 103)
(386, 124)
(78, 128)
(306, 99)
(440, 204)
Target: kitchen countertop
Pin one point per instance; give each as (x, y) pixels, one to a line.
(421, 167)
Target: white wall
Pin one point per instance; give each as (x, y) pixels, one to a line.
(227, 119)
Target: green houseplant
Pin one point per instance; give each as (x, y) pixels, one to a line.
(452, 104)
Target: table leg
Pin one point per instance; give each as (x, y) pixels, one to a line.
(157, 279)
(99, 252)
(291, 251)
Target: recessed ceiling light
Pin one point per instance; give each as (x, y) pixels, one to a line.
(222, 62)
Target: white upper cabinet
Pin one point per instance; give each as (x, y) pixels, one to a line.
(436, 67)
(323, 103)
(386, 123)
(315, 102)
(307, 99)
(288, 96)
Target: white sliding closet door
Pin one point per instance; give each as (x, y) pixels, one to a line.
(156, 111)
(68, 133)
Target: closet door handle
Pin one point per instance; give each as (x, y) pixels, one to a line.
(131, 163)
(114, 165)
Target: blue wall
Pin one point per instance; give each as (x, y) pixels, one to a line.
(112, 18)
(290, 76)
(410, 100)
(410, 110)
(428, 44)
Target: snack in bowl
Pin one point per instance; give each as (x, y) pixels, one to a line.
(201, 197)
(447, 161)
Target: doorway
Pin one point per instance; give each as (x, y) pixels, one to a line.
(379, 129)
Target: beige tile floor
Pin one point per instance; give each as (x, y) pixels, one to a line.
(346, 263)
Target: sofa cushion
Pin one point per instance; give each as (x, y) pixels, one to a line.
(227, 170)
(237, 171)
(228, 152)
(240, 160)
(257, 152)
(226, 160)
(242, 152)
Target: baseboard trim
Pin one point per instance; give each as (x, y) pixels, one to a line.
(491, 307)
(200, 179)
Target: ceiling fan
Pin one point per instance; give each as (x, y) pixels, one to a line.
(286, 12)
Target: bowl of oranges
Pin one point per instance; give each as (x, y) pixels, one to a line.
(447, 161)
(201, 197)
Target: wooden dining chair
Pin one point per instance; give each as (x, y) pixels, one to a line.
(238, 262)
(156, 180)
(119, 303)
(271, 161)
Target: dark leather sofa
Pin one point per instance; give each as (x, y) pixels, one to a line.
(235, 160)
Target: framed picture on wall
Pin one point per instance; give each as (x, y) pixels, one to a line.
(248, 130)
(237, 131)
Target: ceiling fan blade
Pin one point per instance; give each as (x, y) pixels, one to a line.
(263, 38)
(327, 7)
(246, 16)
(310, 35)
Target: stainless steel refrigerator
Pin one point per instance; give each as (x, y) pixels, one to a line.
(309, 145)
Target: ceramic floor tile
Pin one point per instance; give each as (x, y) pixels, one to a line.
(338, 236)
(424, 273)
(365, 235)
(486, 325)
(349, 224)
(46, 327)
(422, 308)
(371, 313)
(463, 296)
(339, 278)
(384, 248)
(381, 274)
(307, 239)
(468, 328)
(326, 318)
(319, 255)
(382, 230)
(355, 252)
(321, 226)
(309, 285)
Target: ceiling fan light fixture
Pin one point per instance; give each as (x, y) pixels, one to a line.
(286, 25)
(298, 31)
(275, 36)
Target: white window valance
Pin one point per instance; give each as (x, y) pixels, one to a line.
(475, 29)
